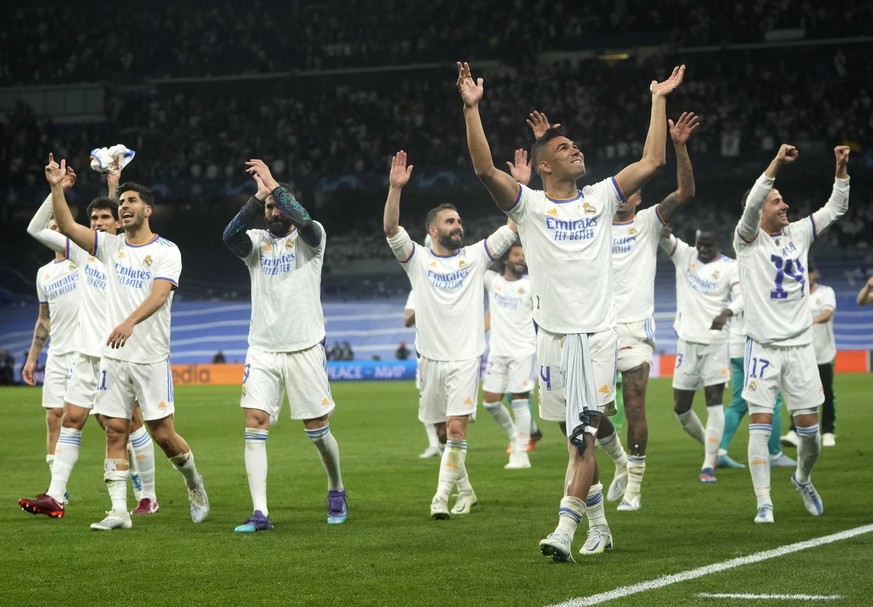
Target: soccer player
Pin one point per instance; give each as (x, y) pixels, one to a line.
(567, 234)
(865, 295)
(772, 258)
(142, 270)
(450, 337)
(738, 407)
(433, 442)
(286, 339)
(511, 355)
(81, 392)
(706, 282)
(823, 303)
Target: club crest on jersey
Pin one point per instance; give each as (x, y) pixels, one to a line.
(632, 231)
(72, 266)
(588, 208)
(147, 262)
(715, 275)
(289, 244)
(462, 263)
(753, 386)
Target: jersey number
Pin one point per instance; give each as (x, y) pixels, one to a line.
(786, 267)
(757, 367)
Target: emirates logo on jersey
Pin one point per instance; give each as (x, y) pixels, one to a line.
(147, 262)
(588, 209)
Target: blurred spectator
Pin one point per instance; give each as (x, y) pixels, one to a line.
(402, 351)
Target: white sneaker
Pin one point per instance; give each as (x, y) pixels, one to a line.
(465, 502)
(558, 546)
(518, 460)
(791, 439)
(598, 541)
(811, 498)
(439, 509)
(765, 514)
(618, 485)
(429, 452)
(828, 439)
(199, 502)
(629, 504)
(115, 519)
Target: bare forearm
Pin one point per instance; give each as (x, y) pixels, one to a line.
(391, 215)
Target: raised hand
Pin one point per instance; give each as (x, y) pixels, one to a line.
(258, 167)
(263, 190)
(69, 179)
(842, 154)
(471, 90)
(787, 153)
(669, 85)
(54, 172)
(400, 172)
(681, 130)
(520, 169)
(539, 123)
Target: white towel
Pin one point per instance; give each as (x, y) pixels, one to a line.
(103, 159)
(580, 390)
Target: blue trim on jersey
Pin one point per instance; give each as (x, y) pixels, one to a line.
(170, 393)
(624, 223)
(169, 280)
(650, 331)
(145, 244)
(455, 254)
(814, 228)
(618, 189)
(517, 199)
(565, 200)
(410, 255)
(487, 250)
(659, 216)
(275, 236)
(94, 246)
(746, 359)
(743, 238)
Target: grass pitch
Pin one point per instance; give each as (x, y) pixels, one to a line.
(390, 552)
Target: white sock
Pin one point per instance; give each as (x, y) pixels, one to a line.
(691, 424)
(501, 415)
(328, 451)
(808, 449)
(594, 509)
(451, 464)
(521, 412)
(714, 430)
(463, 481)
(66, 456)
(184, 463)
(116, 482)
(636, 469)
(256, 467)
(759, 461)
(50, 460)
(613, 447)
(570, 515)
(432, 439)
(144, 456)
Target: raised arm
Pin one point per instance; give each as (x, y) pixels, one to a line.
(520, 169)
(235, 236)
(40, 336)
(502, 187)
(751, 218)
(680, 131)
(632, 177)
(290, 206)
(81, 235)
(398, 177)
(838, 203)
(539, 124)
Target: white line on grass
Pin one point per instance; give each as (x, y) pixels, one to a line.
(691, 574)
(778, 597)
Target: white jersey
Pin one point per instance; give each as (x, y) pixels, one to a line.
(736, 329)
(772, 268)
(57, 284)
(131, 271)
(511, 307)
(823, 341)
(634, 261)
(410, 302)
(286, 291)
(93, 326)
(703, 290)
(567, 246)
(449, 294)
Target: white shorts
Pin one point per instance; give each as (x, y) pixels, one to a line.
(122, 384)
(448, 389)
(551, 379)
(700, 365)
(82, 387)
(510, 375)
(58, 368)
(791, 369)
(636, 343)
(302, 375)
